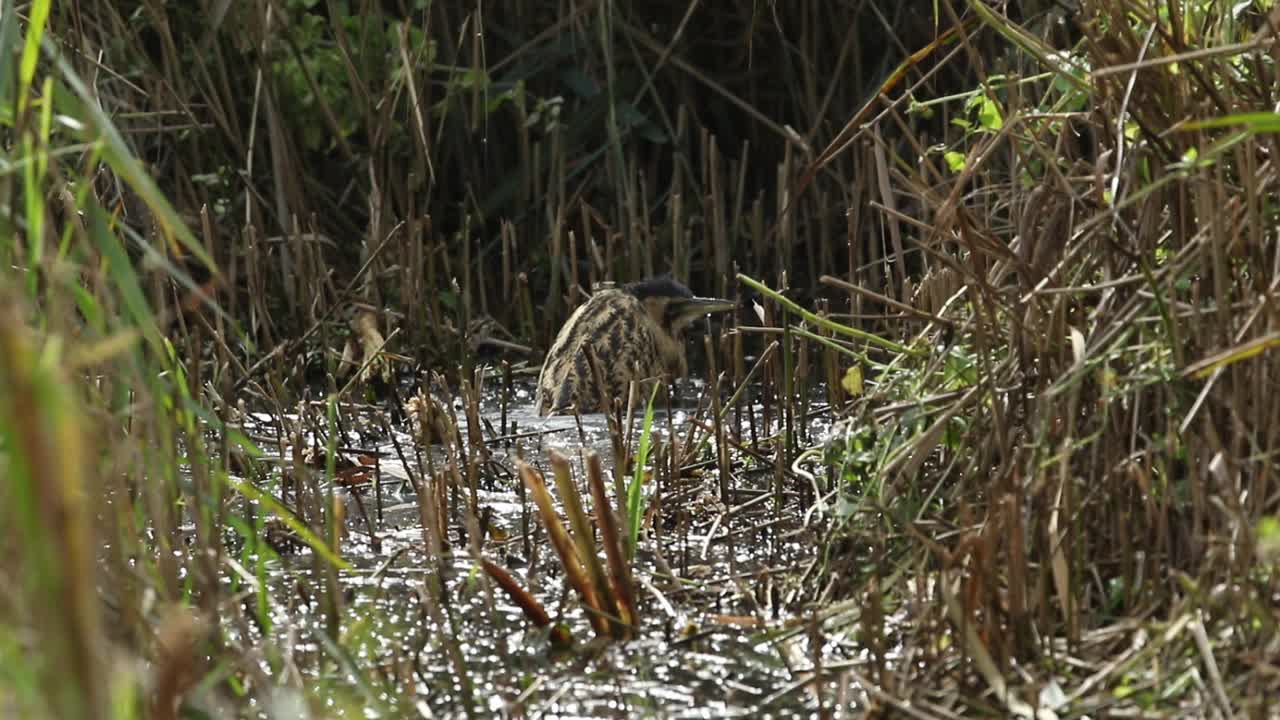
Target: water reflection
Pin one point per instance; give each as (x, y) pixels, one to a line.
(714, 642)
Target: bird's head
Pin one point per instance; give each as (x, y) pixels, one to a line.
(673, 306)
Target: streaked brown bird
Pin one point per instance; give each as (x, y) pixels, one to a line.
(621, 335)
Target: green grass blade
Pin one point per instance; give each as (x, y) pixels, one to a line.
(37, 16)
(8, 48)
(635, 496)
(122, 274)
(252, 492)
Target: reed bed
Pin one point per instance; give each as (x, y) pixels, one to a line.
(993, 433)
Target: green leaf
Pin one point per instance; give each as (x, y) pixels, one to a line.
(989, 115)
(635, 498)
(1269, 528)
(852, 380)
(955, 160)
(961, 369)
(1268, 538)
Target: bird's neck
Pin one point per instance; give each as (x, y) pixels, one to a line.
(671, 349)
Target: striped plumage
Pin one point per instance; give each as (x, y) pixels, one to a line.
(632, 333)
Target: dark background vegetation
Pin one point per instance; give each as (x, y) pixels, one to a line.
(663, 136)
(1057, 219)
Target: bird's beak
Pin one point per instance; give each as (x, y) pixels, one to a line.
(695, 307)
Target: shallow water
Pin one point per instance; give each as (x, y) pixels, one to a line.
(716, 639)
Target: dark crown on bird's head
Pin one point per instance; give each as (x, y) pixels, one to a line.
(656, 287)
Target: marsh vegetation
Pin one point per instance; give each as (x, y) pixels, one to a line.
(991, 433)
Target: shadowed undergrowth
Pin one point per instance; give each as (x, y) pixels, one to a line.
(1026, 263)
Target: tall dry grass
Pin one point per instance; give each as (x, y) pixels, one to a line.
(1057, 471)
(1078, 475)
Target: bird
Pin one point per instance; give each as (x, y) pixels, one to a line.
(620, 335)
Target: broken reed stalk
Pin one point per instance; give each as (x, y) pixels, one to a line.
(560, 636)
(333, 599)
(618, 445)
(717, 420)
(583, 536)
(609, 598)
(612, 540)
(739, 375)
(787, 399)
(563, 544)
